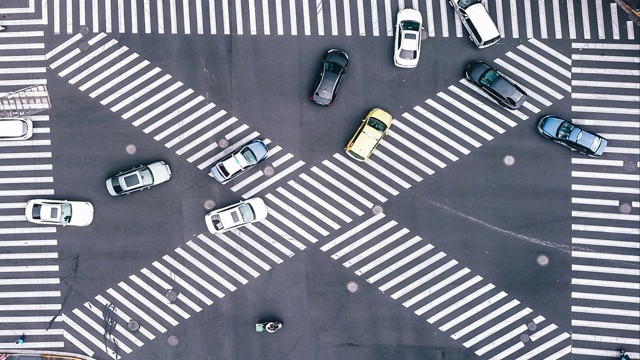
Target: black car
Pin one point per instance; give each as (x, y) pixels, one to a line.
(492, 82)
(572, 136)
(332, 71)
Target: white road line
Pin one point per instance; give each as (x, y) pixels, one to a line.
(600, 175)
(103, 74)
(406, 157)
(469, 313)
(605, 339)
(181, 296)
(630, 30)
(205, 136)
(448, 295)
(301, 203)
(361, 26)
(474, 114)
(585, 20)
(482, 106)
(547, 345)
(483, 320)
(372, 220)
(62, 47)
(430, 20)
(131, 85)
(136, 295)
(388, 174)
(279, 21)
(237, 247)
(614, 21)
(26, 256)
(229, 256)
(22, 243)
(199, 22)
(443, 18)
(606, 84)
(605, 311)
(297, 215)
(148, 319)
(606, 58)
(606, 229)
(246, 238)
(347, 17)
(186, 121)
(600, 17)
(389, 254)
(120, 78)
(205, 269)
(542, 15)
(422, 295)
(398, 264)
(412, 271)
(305, 15)
(121, 314)
(173, 16)
(225, 17)
(107, 16)
(551, 51)
(606, 297)
(30, 281)
(605, 325)
(94, 54)
(212, 17)
(273, 179)
(603, 202)
(466, 299)
(29, 294)
(360, 171)
(82, 9)
(602, 71)
(322, 203)
(530, 80)
(374, 18)
(292, 226)
(500, 18)
(293, 17)
(433, 131)
(165, 104)
(121, 25)
(333, 195)
(263, 236)
(407, 143)
(185, 285)
(354, 260)
(215, 260)
(630, 98)
(445, 125)
(334, 17)
(283, 234)
(459, 119)
(25, 143)
(186, 17)
(604, 46)
(539, 71)
(180, 111)
(604, 242)
(612, 123)
(146, 10)
(495, 328)
(458, 25)
(368, 204)
(363, 240)
(96, 310)
(423, 280)
(605, 256)
(84, 333)
(528, 19)
(501, 340)
(546, 61)
(25, 193)
(605, 270)
(606, 110)
(320, 17)
(557, 24)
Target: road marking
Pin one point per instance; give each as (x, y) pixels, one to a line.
(263, 236)
(482, 106)
(215, 261)
(422, 295)
(374, 18)
(279, 21)
(347, 16)
(412, 271)
(474, 114)
(448, 295)
(585, 20)
(528, 19)
(445, 125)
(606, 297)
(229, 256)
(368, 204)
(25, 256)
(604, 46)
(606, 283)
(252, 17)
(273, 179)
(630, 30)
(322, 203)
(293, 17)
(121, 314)
(334, 17)
(605, 270)
(320, 17)
(407, 157)
(363, 240)
(606, 84)
(204, 269)
(360, 171)
(605, 325)
(530, 80)
(103, 74)
(212, 16)
(398, 264)
(136, 295)
(603, 202)
(292, 226)
(605, 311)
(120, 78)
(606, 229)
(388, 174)
(458, 25)
(459, 119)
(186, 121)
(466, 315)
(148, 319)
(500, 18)
(206, 136)
(30, 281)
(460, 303)
(165, 104)
(483, 320)
(606, 58)
(184, 284)
(181, 296)
(180, 111)
(599, 175)
(606, 256)
(609, 243)
(305, 15)
(433, 131)
(605, 110)
(298, 215)
(407, 143)
(605, 97)
(94, 54)
(283, 234)
(430, 19)
(600, 17)
(133, 84)
(82, 332)
(125, 332)
(361, 26)
(310, 209)
(243, 251)
(354, 260)
(25, 143)
(333, 195)
(539, 71)
(602, 71)
(398, 166)
(372, 220)
(443, 18)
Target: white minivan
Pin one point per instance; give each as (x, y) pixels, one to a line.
(15, 129)
(479, 24)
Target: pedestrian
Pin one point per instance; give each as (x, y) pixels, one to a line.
(4, 356)
(20, 341)
(623, 355)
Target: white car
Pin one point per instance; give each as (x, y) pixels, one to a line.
(59, 212)
(408, 38)
(236, 215)
(15, 129)
(138, 178)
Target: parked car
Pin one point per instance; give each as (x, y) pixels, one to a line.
(496, 85)
(15, 129)
(236, 215)
(59, 212)
(564, 132)
(479, 24)
(239, 161)
(332, 71)
(373, 128)
(408, 38)
(139, 178)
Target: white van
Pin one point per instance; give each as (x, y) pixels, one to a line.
(480, 26)
(15, 129)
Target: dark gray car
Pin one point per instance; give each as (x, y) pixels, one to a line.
(334, 65)
(572, 136)
(494, 84)
(239, 161)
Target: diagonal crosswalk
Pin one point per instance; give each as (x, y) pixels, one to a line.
(605, 201)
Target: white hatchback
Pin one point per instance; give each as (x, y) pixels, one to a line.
(59, 212)
(236, 215)
(408, 38)
(15, 129)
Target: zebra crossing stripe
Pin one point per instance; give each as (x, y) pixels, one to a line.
(448, 295)
(539, 57)
(606, 297)
(363, 240)
(101, 331)
(310, 209)
(544, 346)
(263, 236)
(388, 174)
(405, 275)
(97, 343)
(381, 259)
(158, 297)
(283, 234)
(215, 260)
(606, 283)
(355, 230)
(501, 340)
(423, 294)
(148, 319)
(539, 71)
(363, 255)
(483, 320)
(126, 318)
(605, 270)
(77, 343)
(320, 202)
(476, 309)
(95, 310)
(347, 17)
(206, 269)
(292, 226)
(474, 114)
(170, 274)
(361, 171)
(296, 214)
(504, 323)
(293, 18)
(424, 279)
(460, 303)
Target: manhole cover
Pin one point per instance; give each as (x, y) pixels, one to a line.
(625, 208)
(223, 143)
(133, 325)
(209, 204)
(532, 326)
(173, 340)
(172, 296)
(630, 165)
(131, 149)
(525, 338)
(543, 260)
(83, 46)
(377, 209)
(269, 170)
(352, 286)
(509, 160)
(84, 30)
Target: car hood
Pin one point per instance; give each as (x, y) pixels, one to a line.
(366, 141)
(259, 208)
(81, 214)
(161, 172)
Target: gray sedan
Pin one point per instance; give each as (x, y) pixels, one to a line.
(239, 161)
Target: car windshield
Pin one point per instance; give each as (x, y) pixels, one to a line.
(410, 25)
(596, 144)
(333, 68)
(565, 130)
(116, 184)
(463, 4)
(377, 124)
(408, 54)
(147, 176)
(35, 211)
(66, 212)
(248, 155)
(247, 212)
(489, 77)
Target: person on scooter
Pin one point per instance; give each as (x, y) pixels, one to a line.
(272, 326)
(623, 355)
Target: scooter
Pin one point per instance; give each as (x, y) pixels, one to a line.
(2, 28)
(271, 326)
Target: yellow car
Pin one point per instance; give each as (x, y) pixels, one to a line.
(374, 127)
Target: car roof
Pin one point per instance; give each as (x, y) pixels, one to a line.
(482, 21)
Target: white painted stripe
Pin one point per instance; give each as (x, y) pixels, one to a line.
(482, 106)
(378, 246)
(422, 295)
(585, 20)
(34, 70)
(604, 46)
(205, 136)
(103, 74)
(363, 240)
(612, 123)
(606, 189)
(605, 97)
(98, 343)
(96, 310)
(215, 260)
(263, 236)
(243, 251)
(229, 256)
(474, 114)
(605, 71)
(165, 103)
(389, 255)
(614, 21)
(468, 298)
(606, 58)
(372, 220)
(293, 17)
(31, 281)
(27, 180)
(307, 207)
(550, 51)
(180, 111)
(126, 318)
(148, 319)
(22, 243)
(605, 270)
(459, 119)
(26, 143)
(501, 340)
(630, 30)
(360, 171)
(588, 201)
(205, 269)
(138, 94)
(283, 234)
(77, 343)
(606, 110)
(547, 345)
(297, 215)
(199, 280)
(542, 15)
(186, 121)
(25, 256)
(622, 137)
(602, 215)
(605, 325)
(433, 131)
(530, 80)
(16, 205)
(600, 17)
(257, 246)
(374, 18)
(500, 18)
(320, 17)
(606, 283)
(601, 242)
(599, 175)
(279, 21)
(539, 71)
(347, 17)
(388, 173)
(27, 319)
(606, 84)
(139, 297)
(273, 179)
(322, 203)
(181, 296)
(483, 320)
(161, 298)
(469, 313)
(448, 295)
(606, 297)
(292, 226)
(605, 311)
(528, 19)
(398, 166)
(412, 271)
(29, 294)
(332, 195)
(495, 328)
(368, 204)
(306, 18)
(334, 17)
(359, 184)
(445, 125)
(225, 17)
(606, 229)
(173, 276)
(94, 54)
(129, 86)
(25, 192)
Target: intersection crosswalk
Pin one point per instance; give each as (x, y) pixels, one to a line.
(605, 202)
